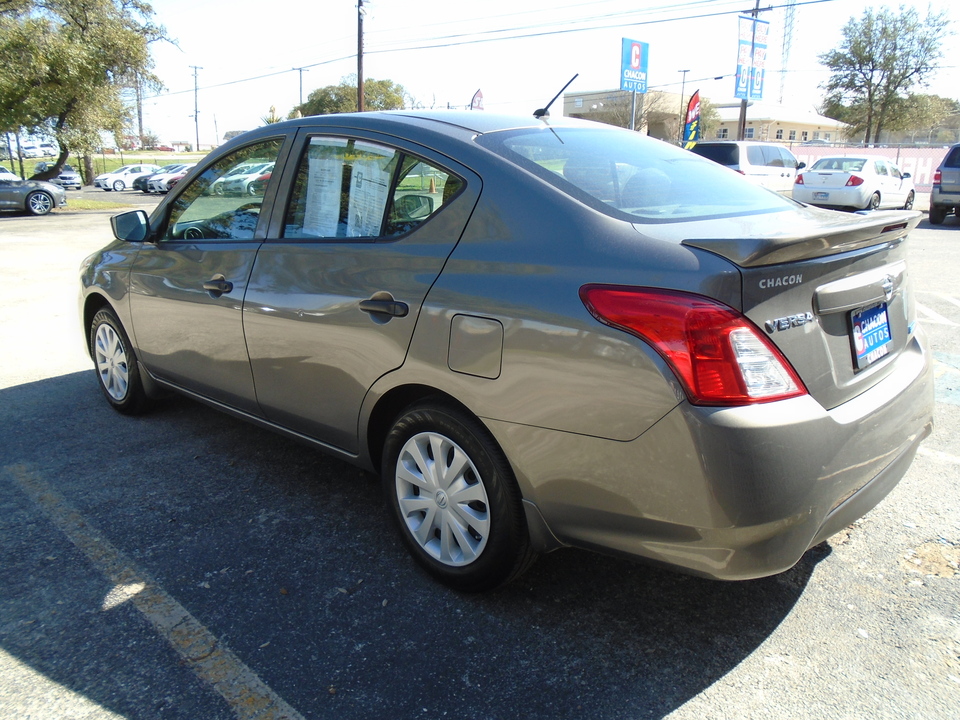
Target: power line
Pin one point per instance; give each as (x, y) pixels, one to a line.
(471, 39)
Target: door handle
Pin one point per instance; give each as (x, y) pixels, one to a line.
(391, 307)
(218, 285)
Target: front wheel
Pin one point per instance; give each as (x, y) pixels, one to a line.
(117, 372)
(454, 498)
(39, 203)
(118, 185)
(938, 214)
(908, 205)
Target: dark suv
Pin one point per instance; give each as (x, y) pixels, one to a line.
(945, 196)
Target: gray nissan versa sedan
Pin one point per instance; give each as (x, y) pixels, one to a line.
(542, 333)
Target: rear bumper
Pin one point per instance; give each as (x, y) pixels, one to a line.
(729, 493)
(947, 199)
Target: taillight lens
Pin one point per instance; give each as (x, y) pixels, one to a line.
(854, 181)
(719, 356)
(936, 177)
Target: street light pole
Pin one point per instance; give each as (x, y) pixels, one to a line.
(683, 86)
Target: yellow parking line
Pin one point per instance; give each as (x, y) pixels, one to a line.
(209, 658)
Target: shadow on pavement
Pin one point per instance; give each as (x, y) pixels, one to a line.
(288, 558)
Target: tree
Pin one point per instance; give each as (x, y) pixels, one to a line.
(883, 55)
(64, 64)
(271, 118)
(342, 98)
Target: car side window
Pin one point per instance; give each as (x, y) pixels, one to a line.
(880, 167)
(349, 188)
(789, 160)
(200, 212)
(772, 157)
(755, 155)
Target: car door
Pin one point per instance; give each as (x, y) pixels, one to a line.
(187, 287)
(338, 284)
(899, 186)
(11, 195)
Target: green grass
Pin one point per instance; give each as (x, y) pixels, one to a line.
(81, 204)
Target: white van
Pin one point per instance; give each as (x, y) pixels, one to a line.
(766, 164)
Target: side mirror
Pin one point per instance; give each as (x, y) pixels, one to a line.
(801, 166)
(906, 176)
(133, 226)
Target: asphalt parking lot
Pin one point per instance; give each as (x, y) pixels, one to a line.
(187, 565)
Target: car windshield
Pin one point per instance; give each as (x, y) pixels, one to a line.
(631, 176)
(841, 164)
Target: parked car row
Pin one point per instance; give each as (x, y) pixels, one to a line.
(124, 177)
(837, 182)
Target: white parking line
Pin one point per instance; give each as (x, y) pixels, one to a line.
(248, 696)
(935, 317)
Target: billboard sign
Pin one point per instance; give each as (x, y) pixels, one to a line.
(751, 58)
(633, 65)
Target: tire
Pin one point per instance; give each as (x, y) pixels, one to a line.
(39, 203)
(874, 203)
(938, 214)
(454, 498)
(908, 205)
(118, 374)
(118, 185)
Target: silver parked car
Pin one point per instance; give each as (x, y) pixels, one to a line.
(33, 196)
(540, 334)
(945, 194)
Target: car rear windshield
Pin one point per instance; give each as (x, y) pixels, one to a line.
(843, 164)
(953, 158)
(631, 176)
(724, 154)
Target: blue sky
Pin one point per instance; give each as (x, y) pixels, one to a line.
(518, 54)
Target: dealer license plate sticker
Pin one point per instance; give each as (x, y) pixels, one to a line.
(821, 196)
(870, 334)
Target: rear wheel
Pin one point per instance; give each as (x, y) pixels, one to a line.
(938, 214)
(453, 496)
(39, 203)
(874, 202)
(908, 205)
(116, 364)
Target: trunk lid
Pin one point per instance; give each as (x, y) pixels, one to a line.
(830, 290)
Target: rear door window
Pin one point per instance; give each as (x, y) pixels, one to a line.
(351, 188)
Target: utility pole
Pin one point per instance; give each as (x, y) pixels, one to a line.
(742, 123)
(360, 13)
(683, 108)
(301, 71)
(196, 111)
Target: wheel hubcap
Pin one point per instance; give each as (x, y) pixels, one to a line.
(442, 499)
(40, 203)
(111, 360)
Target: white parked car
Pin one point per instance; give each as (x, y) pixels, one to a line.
(766, 164)
(237, 181)
(857, 183)
(123, 178)
(160, 183)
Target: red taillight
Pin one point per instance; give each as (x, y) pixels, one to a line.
(854, 181)
(719, 356)
(799, 180)
(936, 177)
